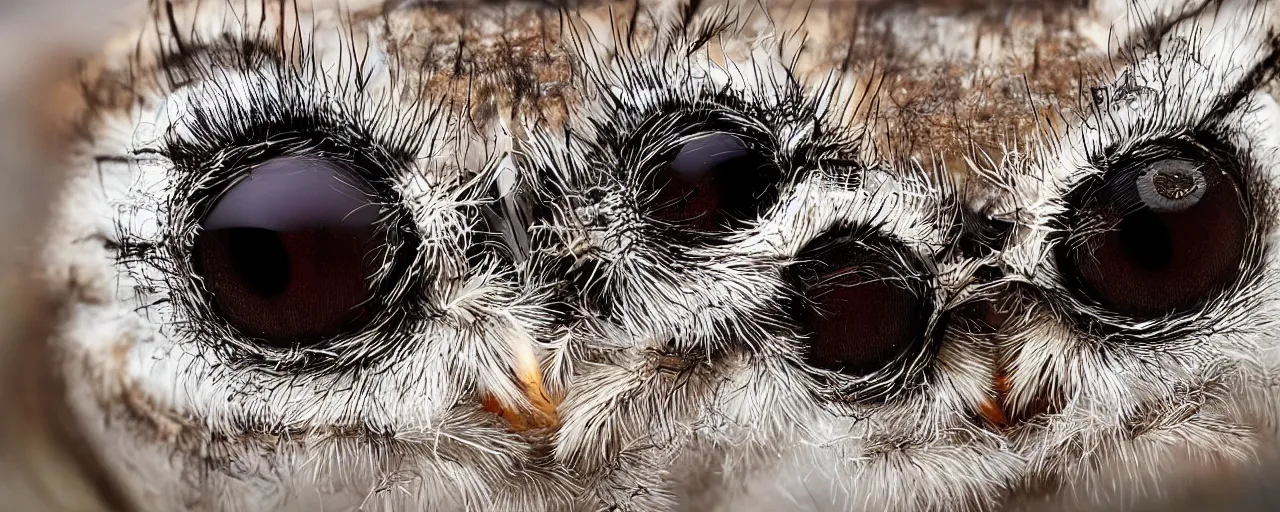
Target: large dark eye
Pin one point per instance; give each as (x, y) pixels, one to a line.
(287, 252)
(863, 306)
(712, 181)
(1157, 238)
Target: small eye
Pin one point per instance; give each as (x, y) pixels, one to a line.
(285, 253)
(1160, 238)
(712, 182)
(861, 308)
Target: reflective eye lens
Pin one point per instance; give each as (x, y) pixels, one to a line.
(286, 253)
(1173, 232)
(860, 312)
(712, 181)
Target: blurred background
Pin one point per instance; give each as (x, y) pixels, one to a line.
(43, 463)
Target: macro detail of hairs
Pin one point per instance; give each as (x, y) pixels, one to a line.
(673, 255)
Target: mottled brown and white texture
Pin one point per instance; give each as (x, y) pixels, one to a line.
(952, 128)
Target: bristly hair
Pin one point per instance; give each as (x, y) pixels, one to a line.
(510, 148)
(237, 102)
(651, 88)
(1135, 408)
(671, 339)
(393, 406)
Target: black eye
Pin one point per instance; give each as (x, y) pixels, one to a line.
(863, 306)
(1159, 238)
(713, 181)
(286, 253)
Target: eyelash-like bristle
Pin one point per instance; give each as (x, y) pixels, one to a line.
(511, 148)
(397, 403)
(636, 399)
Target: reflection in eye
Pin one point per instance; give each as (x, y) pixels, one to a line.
(284, 253)
(712, 181)
(1174, 231)
(1171, 186)
(860, 310)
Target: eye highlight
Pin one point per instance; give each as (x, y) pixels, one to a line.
(863, 305)
(711, 182)
(1171, 186)
(1158, 237)
(286, 253)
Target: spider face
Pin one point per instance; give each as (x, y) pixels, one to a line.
(1144, 340)
(655, 256)
(285, 298)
